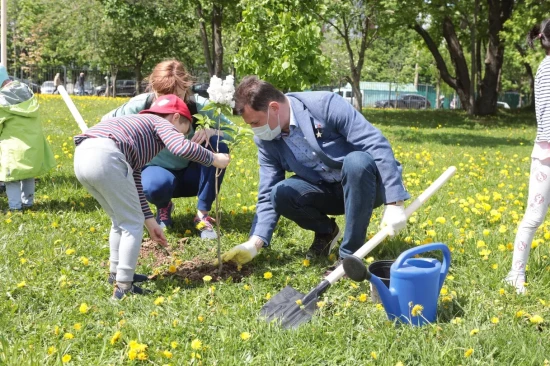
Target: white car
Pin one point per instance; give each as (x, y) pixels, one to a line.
(503, 105)
(47, 87)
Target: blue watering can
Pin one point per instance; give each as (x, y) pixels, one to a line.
(413, 281)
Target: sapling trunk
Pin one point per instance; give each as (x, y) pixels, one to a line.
(218, 214)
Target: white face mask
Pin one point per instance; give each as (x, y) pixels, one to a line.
(265, 132)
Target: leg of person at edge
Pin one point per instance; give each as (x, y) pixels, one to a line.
(169, 176)
(539, 182)
(304, 133)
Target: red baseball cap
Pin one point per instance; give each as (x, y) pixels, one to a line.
(168, 104)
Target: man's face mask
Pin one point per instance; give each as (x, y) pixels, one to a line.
(265, 132)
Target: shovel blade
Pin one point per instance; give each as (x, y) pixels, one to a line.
(284, 307)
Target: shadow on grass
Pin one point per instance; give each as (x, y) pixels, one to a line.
(431, 119)
(462, 139)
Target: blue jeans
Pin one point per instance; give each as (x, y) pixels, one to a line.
(160, 185)
(308, 204)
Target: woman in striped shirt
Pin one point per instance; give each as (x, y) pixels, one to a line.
(108, 160)
(539, 181)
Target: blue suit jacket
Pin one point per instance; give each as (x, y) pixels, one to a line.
(343, 130)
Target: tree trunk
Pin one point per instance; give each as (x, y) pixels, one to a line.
(473, 50)
(204, 38)
(499, 12)
(460, 83)
(355, 81)
(530, 75)
(217, 16)
(139, 76)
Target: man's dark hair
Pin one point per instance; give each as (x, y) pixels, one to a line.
(257, 94)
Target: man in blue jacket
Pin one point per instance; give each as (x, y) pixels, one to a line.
(342, 165)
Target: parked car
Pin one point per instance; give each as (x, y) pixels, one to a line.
(88, 89)
(201, 89)
(47, 87)
(124, 88)
(34, 87)
(503, 105)
(412, 101)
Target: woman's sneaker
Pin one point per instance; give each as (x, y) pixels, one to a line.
(137, 278)
(164, 215)
(205, 226)
(119, 294)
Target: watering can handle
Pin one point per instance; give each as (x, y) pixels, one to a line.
(382, 234)
(427, 248)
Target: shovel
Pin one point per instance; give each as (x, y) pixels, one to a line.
(293, 308)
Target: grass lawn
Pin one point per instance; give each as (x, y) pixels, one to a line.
(55, 302)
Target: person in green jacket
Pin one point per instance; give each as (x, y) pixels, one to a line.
(24, 151)
(168, 176)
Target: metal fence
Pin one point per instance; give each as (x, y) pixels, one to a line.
(40, 79)
(421, 96)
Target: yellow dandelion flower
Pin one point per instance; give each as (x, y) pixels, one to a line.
(85, 261)
(486, 232)
(207, 278)
(268, 275)
(174, 344)
(70, 251)
(21, 284)
(56, 330)
(92, 229)
(374, 355)
(77, 326)
(66, 358)
(187, 232)
(196, 344)
(494, 266)
(167, 354)
(23, 260)
(369, 260)
(440, 220)
(320, 304)
(363, 297)
(159, 300)
(200, 318)
(457, 320)
(172, 269)
(299, 302)
(68, 336)
(245, 336)
(536, 319)
(132, 354)
(83, 308)
(142, 356)
(468, 352)
(501, 291)
(305, 262)
(417, 310)
(474, 331)
(116, 337)
(55, 225)
(52, 350)
(494, 320)
(268, 296)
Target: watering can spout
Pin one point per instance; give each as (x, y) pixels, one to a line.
(388, 296)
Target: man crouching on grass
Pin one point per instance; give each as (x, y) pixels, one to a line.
(108, 160)
(342, 165)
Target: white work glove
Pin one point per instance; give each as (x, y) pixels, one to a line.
(394, 218)
(242, 253)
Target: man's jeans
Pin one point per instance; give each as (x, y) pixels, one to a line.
(356, 196)
(160, 185)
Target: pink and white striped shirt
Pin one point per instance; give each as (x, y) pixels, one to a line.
(142, 136)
